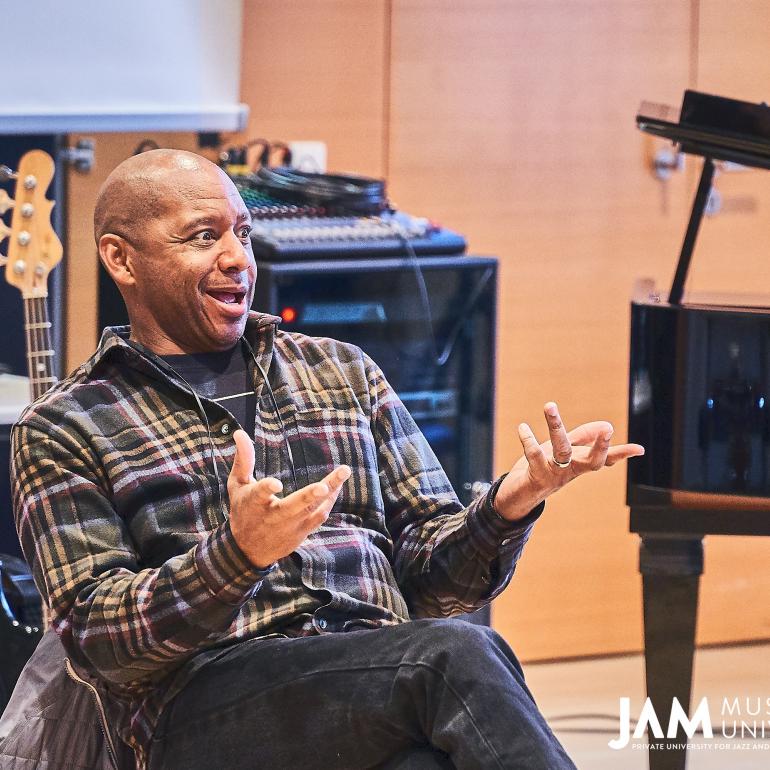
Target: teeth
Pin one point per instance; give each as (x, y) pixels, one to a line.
(226, 297)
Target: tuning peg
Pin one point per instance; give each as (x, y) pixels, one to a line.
(6, 202)
(6, 174)
(5, 231)
(3, 261)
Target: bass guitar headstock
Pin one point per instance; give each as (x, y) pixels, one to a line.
(33, 247)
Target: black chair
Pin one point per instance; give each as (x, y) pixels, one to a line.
(21, 620)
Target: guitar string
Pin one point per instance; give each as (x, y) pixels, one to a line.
(44, 337)
(50, 369)
(33, 347)
(38, 336)
(46, 359)
(39, 349)
(48, 343)
(29, 348)
(34, 330)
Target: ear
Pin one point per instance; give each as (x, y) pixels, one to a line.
(116, 255)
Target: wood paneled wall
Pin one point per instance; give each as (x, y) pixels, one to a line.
(318, 70)
(513, 122)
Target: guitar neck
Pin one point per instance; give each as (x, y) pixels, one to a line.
(40, 354)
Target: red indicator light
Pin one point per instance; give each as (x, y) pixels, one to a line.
(289, 314)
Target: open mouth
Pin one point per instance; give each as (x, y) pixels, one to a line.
(230, 301)
(229, 298)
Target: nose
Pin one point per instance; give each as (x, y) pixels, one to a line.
(234, 256)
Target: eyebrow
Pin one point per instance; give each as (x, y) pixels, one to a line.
(194, 224)
(210, 221)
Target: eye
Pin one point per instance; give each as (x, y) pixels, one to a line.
(244, 232)
(204, 235)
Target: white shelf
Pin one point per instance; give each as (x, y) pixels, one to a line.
(228, 118)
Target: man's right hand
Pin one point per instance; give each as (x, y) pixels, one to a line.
(267, 527)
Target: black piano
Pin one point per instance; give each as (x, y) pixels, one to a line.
(699, 401)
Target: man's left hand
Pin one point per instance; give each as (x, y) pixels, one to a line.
(546, 468)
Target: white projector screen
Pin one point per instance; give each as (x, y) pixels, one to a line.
(106, 65)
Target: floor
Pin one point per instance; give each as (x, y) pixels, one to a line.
(581, 701)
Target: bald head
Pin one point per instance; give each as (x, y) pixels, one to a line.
(139, 189)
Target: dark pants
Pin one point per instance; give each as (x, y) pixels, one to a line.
(358, 700)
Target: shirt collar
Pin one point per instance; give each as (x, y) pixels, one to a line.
(114, 346)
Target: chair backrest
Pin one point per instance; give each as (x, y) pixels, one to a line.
(21, 620)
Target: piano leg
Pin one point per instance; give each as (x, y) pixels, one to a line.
(671, 567)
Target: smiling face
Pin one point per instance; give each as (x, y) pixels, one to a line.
(185, 265)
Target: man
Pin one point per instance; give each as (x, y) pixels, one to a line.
(241, 597)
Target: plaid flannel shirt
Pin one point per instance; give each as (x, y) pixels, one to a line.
(120, 500)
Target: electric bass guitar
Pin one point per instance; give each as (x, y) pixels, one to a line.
(33, 251)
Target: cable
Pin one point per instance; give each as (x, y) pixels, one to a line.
(439, 359)
(462, 315)
(286, 154)
(234, 159)
(421, 288)
(277, 412)
(202, 411)
(264, 156)
(145, 145)
(157, 360)
(346, 193)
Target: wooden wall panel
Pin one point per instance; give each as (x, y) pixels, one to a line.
(514, 122)
(731, 256)
(315, 69)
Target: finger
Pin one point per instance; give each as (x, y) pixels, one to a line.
(561, 447)
(532, 450)
(622, 452)
(334, 480)
(266, 489)
(242, 471)
(337, 478)
(314, 497)
(585, 435)
(597, 457)
(306, 499)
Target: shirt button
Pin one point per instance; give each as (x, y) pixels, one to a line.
(322, 623)
(225, 429)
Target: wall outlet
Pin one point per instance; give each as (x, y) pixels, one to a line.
(308, 156)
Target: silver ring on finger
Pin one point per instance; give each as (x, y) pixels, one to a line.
(560, 464)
